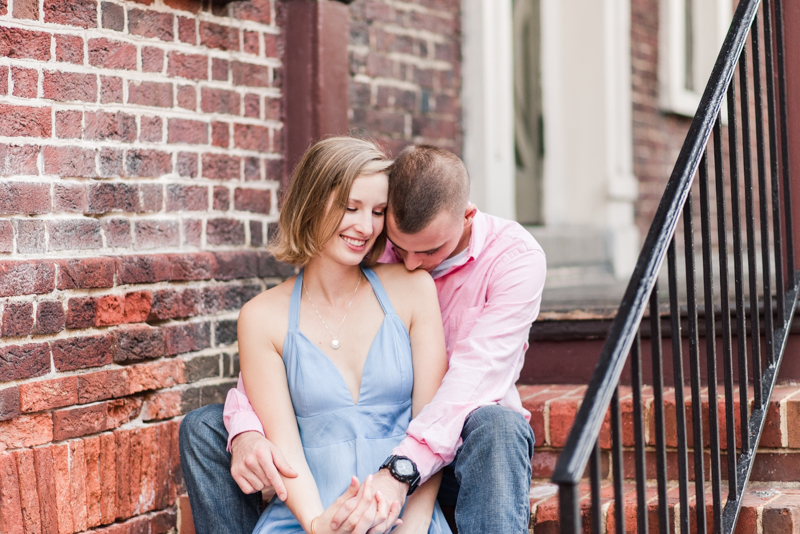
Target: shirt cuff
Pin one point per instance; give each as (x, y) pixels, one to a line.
(243, 422)
(428, 462)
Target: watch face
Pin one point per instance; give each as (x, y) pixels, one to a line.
(404, 468)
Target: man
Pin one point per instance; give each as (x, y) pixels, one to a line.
(489, 275)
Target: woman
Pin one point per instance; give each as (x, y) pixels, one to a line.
(327, 363)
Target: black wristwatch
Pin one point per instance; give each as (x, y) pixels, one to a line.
(404, 470)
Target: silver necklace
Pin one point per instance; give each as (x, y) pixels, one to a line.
(335, 343)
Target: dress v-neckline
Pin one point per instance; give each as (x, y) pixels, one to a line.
(339, 372)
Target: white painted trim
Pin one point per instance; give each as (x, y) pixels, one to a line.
(488, 104)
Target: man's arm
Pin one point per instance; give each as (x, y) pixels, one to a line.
(484, 364)
(256, 463)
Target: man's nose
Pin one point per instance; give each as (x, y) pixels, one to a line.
(412, 261)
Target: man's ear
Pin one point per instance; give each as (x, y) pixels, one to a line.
(469, 214)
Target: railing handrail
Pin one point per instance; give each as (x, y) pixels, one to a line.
(589, 419)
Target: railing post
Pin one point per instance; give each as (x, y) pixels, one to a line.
(791, 33)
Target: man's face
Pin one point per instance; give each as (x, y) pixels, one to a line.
(433, 244)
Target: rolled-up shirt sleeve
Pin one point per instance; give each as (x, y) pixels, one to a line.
(238, 415)
(485, 361)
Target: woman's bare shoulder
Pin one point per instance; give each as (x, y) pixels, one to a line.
(406, 289)
(272, 303)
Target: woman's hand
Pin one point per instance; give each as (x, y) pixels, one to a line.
(369, 508)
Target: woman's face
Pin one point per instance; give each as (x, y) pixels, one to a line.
(362, 222)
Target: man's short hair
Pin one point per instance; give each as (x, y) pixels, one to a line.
(318, 194)
(423, 181)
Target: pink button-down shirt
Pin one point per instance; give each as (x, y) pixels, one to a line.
(488, 305)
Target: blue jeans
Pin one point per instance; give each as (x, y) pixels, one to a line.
(487, 483)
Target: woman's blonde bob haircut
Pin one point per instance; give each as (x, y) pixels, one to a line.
(326, 171)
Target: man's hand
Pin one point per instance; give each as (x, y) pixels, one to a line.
(256, 462)
(393, 496)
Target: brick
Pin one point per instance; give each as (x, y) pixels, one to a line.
(29, 496)
(251, 42)
(221, 167)
(6, 236)
(80, 421)
(81, 312)
(251, 137)
(86, 273)
(151, 128)
(22, 160)
(187, 97)
(218, 36)
(108, 478)
(152, 59)
(77, 478)
(26, 278)
(70, 162)
(155, 375)
(26, 9)
(17, 319)
(10, 505)
(91, 467)
(162, 405)
(152, 196)
(69, 124)
(117, 232)
(147, 163)
(274, 169)
(137, 306)
(69, 48)
(108, 310)
(225, 232)
(252, 169)
(122, 457)
(74, 234)
(252, 106)
(111, 54)
(48, 394)
(106, 197)
(171, 304)
(256, 10)
(101, 126)
(191, 66)
(3, 86)
(151, 24)
(187, 30)
(192, 232)
(137, 343)
(110, 90)
(69, 86)
(30, 236)
(113, 16)
(25, 121)
(271, 45)
(26, 431)
(81, 13)
(70, 197)
(102, 385)
(50, 317)
(110, 162)
(256, 234)
(782, 516)
(198, 266)
(153, 94)
(254, 200)
(220, 101)
(9, 403)
(143, 269)
(83, 352)
(220, 134)
(26, 82)
(219, 69)
(45, 482)
(150, 234)
(249, 75)
(188, 131)
(24, 361)
(225, 332)
(24, 44)
(189, 337)
(187, 164)
(269, 266)
(187, 198)
(233, 265)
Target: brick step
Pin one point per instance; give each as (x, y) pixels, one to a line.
(766, 508)
(554, 407)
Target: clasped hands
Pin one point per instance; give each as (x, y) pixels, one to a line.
(369, 508)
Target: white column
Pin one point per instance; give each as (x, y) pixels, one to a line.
(488, 104)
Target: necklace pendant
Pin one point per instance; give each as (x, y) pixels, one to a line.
(335, 344)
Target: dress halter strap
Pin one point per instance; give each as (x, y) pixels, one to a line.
(294, 303)
(380, 292)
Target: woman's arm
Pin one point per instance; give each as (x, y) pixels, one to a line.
(265, 380)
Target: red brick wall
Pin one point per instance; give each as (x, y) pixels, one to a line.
(405, 62)
(140, 153)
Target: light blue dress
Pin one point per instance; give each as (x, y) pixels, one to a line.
(342, 439)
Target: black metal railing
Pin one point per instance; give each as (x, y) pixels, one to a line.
(761, 312)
